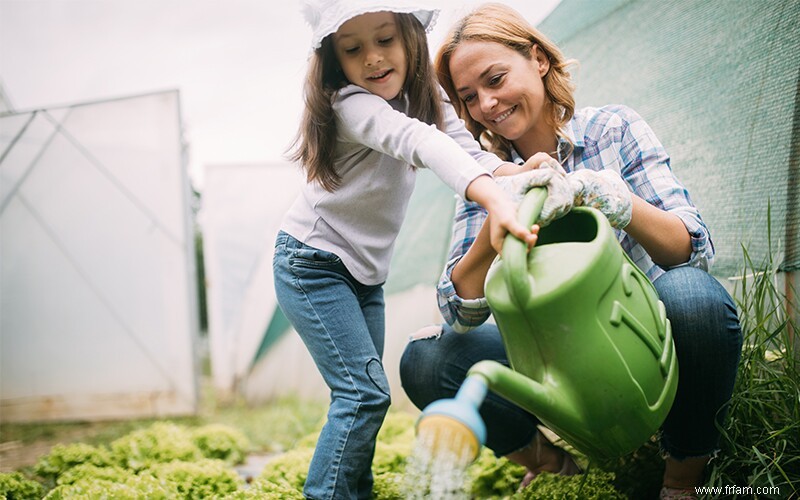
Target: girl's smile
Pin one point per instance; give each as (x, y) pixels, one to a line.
(380, 76)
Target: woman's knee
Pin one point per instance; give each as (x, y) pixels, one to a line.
(419, 365)
(436, 360)
(701, 312)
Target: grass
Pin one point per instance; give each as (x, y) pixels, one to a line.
(761, 443)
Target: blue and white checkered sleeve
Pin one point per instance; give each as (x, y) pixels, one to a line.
(462, 314)
(648, 172)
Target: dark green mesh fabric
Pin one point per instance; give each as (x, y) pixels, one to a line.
(718, 82)
(422, 244)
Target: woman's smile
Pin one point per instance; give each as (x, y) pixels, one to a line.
(499, 119)
(501, 89)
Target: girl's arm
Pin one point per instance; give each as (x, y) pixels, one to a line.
(468, 275)
(369, 120)
(483, 189)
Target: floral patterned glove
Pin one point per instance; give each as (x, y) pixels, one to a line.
(560, 194)
(604, 190)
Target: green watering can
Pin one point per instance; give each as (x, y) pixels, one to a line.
(588, 341)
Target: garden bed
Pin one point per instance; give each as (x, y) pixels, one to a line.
(234, 451)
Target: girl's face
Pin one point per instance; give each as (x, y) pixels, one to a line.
(371, 53)
(501, 89)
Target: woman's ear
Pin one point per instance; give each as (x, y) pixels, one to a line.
(543, 62)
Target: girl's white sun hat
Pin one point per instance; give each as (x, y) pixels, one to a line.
(326, 16)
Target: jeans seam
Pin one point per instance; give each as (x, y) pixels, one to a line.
(335, 467)
(336, 464)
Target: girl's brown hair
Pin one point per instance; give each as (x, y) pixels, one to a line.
(315, 144)
(501, 24)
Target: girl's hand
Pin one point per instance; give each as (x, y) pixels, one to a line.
(502, 212)
(502, 220)
(534, 162)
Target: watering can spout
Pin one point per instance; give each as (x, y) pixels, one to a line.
(535, 397)
(456, 423)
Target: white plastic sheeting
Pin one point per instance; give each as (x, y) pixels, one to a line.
(98, 305)
(242, 209)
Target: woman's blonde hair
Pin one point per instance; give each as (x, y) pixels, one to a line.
(315, 144)
(502, 24)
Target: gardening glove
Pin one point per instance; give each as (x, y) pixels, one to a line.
(604, 190)
(550, 175)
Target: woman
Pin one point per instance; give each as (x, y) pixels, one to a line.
(511, 86)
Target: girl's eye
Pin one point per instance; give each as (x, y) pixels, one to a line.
(351, 50)
(386, 41)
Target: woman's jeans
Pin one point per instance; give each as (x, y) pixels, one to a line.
(708, 342)
(342, 324)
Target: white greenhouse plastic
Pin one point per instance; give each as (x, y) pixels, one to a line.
(98, 298)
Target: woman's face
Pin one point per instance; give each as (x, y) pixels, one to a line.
(371, 52)
(501, 89)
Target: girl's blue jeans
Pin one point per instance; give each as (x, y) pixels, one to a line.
(708, 342)
(342, 324)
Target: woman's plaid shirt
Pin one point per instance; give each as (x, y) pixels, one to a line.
(611, 137)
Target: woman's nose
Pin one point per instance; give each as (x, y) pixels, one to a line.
(487, 101)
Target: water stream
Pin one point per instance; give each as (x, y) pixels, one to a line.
(438, 464)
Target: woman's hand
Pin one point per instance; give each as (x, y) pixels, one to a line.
(546, 173)
(534, 162)
(604, 190)
(662, 234)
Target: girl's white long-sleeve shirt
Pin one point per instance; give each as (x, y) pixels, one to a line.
(377, 142)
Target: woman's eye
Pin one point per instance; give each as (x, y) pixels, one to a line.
(468, 98)
(495, 80)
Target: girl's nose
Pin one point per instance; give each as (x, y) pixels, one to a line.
(373, 57)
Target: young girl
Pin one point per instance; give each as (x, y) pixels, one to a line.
(374, 113)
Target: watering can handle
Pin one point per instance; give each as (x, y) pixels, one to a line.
(515, 251)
